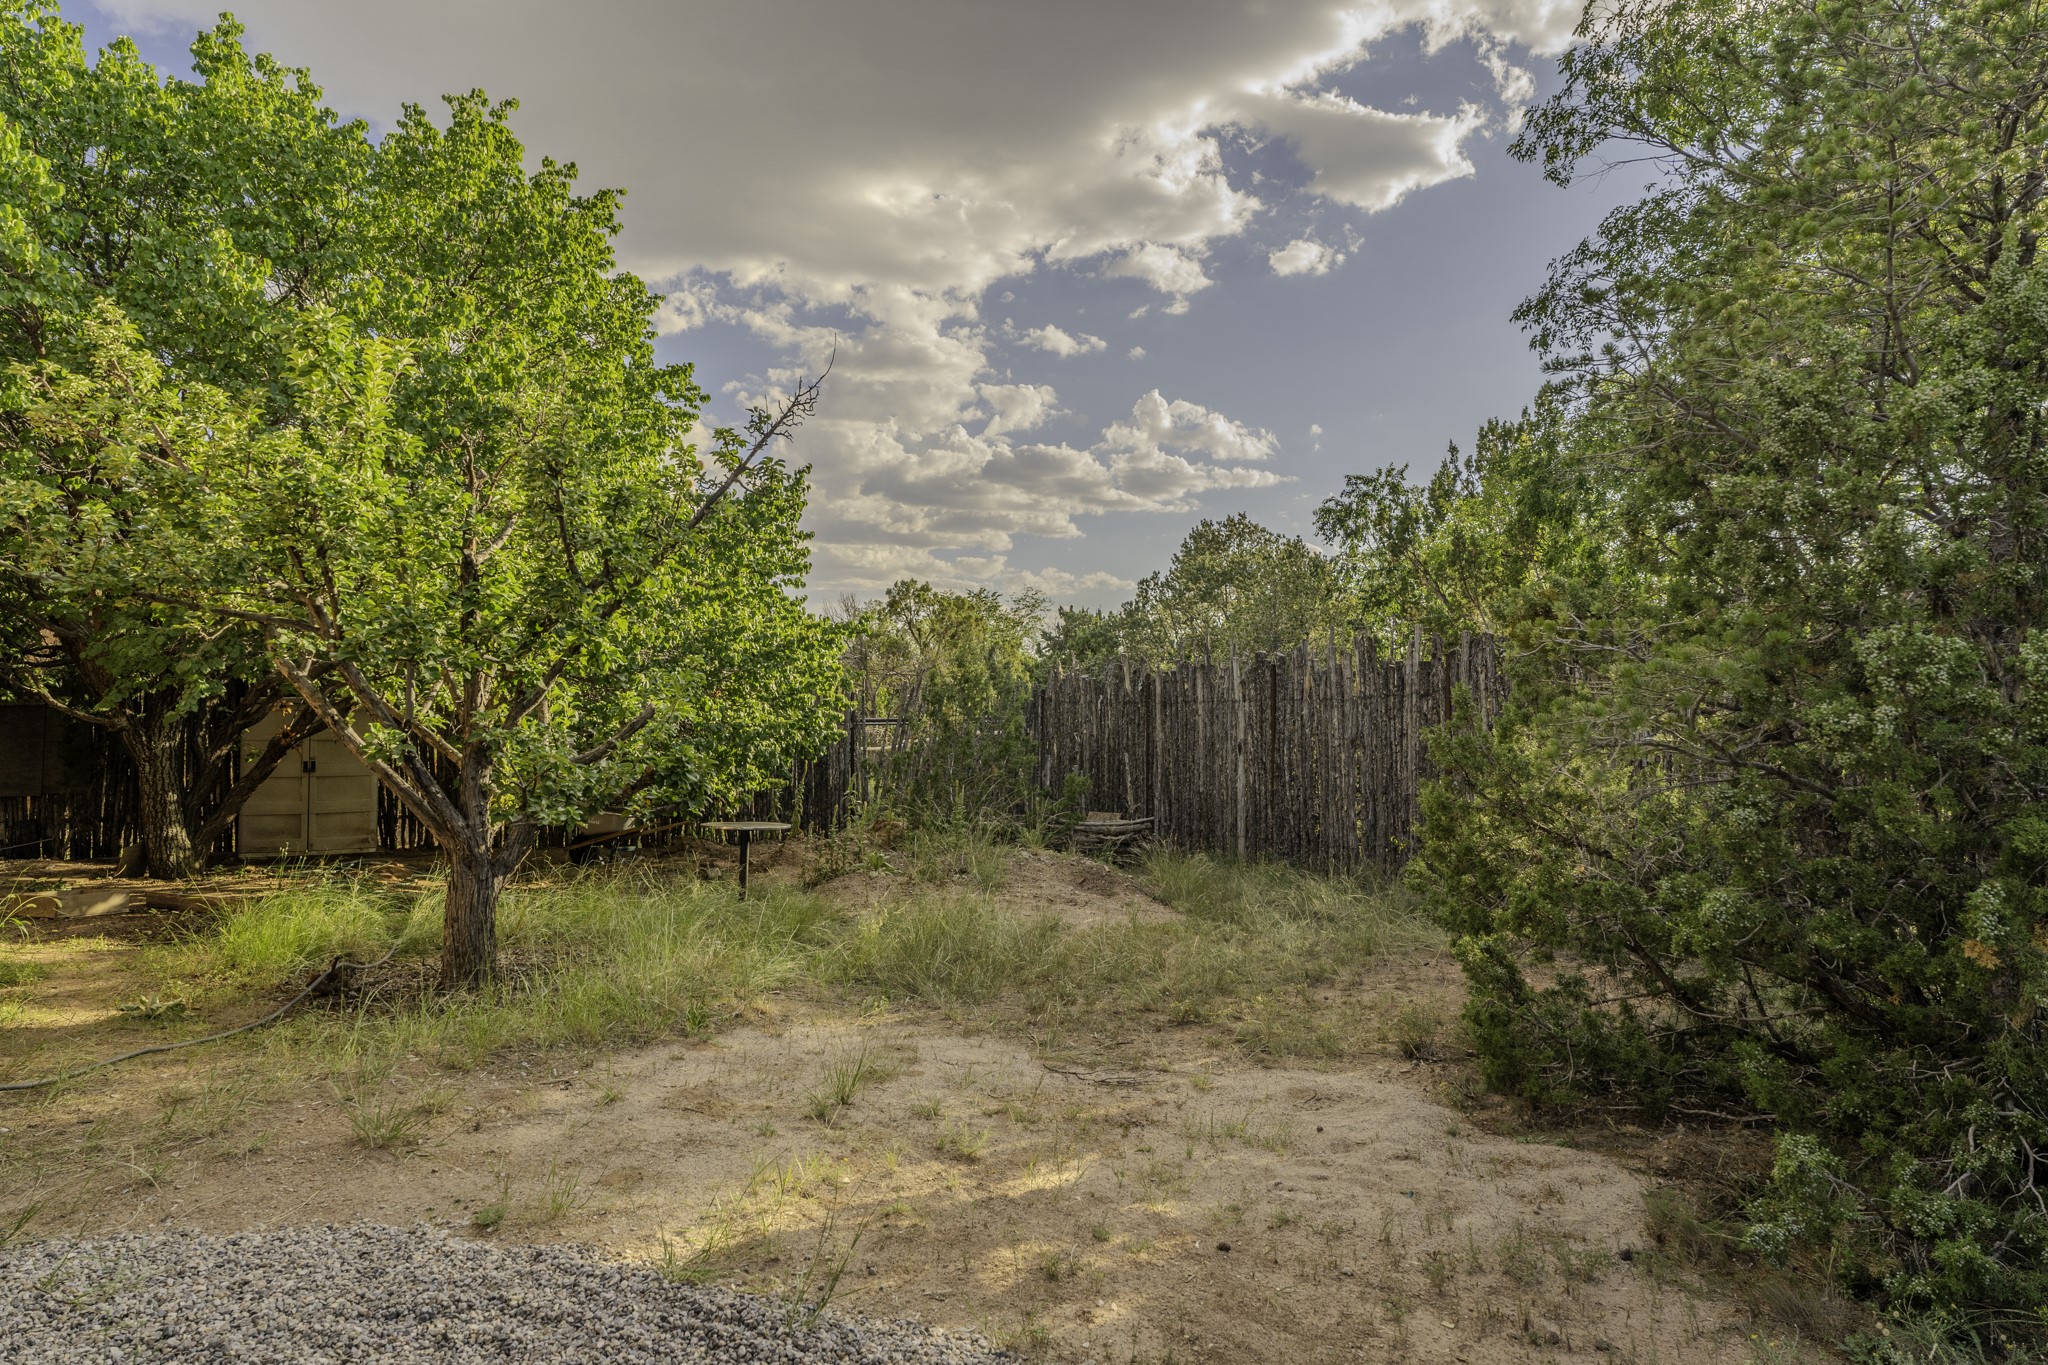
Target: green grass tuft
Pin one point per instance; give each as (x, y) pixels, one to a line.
(290, 932)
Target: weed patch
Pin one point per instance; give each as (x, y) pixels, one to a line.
(621, 956)
(384, 1126)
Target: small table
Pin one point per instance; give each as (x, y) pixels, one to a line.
(746, 829)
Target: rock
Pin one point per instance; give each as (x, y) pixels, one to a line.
(82, 903)
(1541, 1331)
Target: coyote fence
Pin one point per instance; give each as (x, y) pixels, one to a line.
(1312, 756)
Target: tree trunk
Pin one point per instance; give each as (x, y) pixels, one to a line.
(469, 922)
(479, 865)
(160, 798)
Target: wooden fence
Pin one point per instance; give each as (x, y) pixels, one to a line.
(865, 763)
(1315, 757)
(66, 788)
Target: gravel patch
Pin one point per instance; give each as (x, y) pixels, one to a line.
(368, 1293)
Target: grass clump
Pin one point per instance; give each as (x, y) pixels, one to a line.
(1264, 896)
(942, 950)
(844, 1078)
(153, 1009)
(560, 1193)
(961, 1142)
(614, 957)
(295, 930)
(956, 853)
(490, 1217)
(1252, 941)
(382, 1126)
(1416, 1030)
(608, 959)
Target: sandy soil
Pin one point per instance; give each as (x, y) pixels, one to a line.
(1158, 1198)
(1188, 1210)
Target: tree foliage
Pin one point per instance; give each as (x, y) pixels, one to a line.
(1232, 585)
(957, 669)
(1235, 585)
(1774, 799)
(1464, 551)
(382, 424)
(136, 217)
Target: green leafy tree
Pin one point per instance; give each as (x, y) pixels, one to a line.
(1235, 585)
(1081, 637)
(957, 669)
(1779, 816)
(1520, 515)
(379, 426)
(488, 557)
(181, 209)
(92, 484)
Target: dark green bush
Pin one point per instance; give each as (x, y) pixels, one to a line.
(1766, 829)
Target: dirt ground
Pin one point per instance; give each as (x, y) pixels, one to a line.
(1153, 1199)
(1078, 891)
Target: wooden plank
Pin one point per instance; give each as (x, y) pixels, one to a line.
(1238, 755)
(1158, 750)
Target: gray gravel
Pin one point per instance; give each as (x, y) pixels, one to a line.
(367, 1293)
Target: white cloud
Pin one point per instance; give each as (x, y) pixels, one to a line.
(1315, 428)
(1170, 270)
(1304, 256)
(1060, 343)
(1136, 353)
(1061, 583)
(966, 496)
(1515, 85)
(1157, 424)
(864, 185)
(1017, 407)
(1364, 157)
(687, 306)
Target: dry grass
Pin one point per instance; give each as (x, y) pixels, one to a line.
(616, 957)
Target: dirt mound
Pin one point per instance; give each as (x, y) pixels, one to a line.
(1078, 891)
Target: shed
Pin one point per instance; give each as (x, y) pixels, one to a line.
(321, 799)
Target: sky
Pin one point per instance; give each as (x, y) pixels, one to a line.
(1087, 271)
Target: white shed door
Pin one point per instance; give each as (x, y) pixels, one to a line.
(341, 799)
(320, 799)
